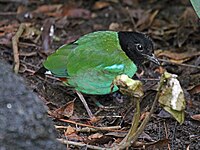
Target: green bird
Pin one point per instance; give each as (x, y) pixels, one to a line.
(90, 63)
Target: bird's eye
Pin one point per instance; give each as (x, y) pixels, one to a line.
(139, 47)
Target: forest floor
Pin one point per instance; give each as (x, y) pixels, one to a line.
(46, 25)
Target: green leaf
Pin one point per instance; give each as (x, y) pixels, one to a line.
(178, 115)
(128, 86)
(196, 5)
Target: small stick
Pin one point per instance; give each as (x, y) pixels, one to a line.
(90, 126)
(7, 13)
(184, 65)
(15, 41)
(166, 135)
(80, 144)
(89, 129)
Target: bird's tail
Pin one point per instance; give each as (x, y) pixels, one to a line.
(41, 72)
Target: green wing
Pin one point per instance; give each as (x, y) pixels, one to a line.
(91, 63)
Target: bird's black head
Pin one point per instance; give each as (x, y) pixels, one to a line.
(137, 46)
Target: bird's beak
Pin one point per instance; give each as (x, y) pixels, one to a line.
(153, 59)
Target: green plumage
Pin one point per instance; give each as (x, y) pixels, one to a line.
(91, 63)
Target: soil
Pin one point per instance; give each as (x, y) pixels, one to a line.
(174, 28)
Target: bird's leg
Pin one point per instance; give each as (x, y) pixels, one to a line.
(102, 106)
(139, 75)
(85, 105)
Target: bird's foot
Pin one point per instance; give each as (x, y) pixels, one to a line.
(102, 106)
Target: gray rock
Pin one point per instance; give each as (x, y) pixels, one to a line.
(24, 124)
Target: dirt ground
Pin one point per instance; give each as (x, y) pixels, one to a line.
(174, 28)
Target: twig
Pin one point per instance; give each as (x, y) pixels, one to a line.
(28, 54)
(184, 65)
(167, 136)
(15, 41)
(80, 144)
(85, 125)
(89, 129)
(7, 13)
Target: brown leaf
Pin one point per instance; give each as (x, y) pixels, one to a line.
(69, 131)
(157, 144)
(195, 89)
(8, 29)
(114, 26)
(178, 57)
(21, 9)
(74, 12)
(66, 110)
(100, 5)
(160, 70)
(196, 117)
(188, 19)
(160, 144)
(143, 115)
(131, 2)
(146, 20)
(74, 137)
(98, 138)
(48, 8)
(95, 136)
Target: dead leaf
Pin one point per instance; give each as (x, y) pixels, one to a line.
(183, 35)
(48, 8)
(160, 70)
(11, 28)
(151, 145)
(6, 40)
(95, 136)
(73, 12)
(157, 144)
(146, 20)
(195, 89)
(188, 18)
(131, 2)
(100, 5)
(74, 137)
(67, 110)
(176, 57)
(114, 26)
(59, 10)
(143, 115)
(196, 117)
(172, 97)
(69, 130)
(98, 138)
(145, 136)
(71, 134)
